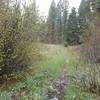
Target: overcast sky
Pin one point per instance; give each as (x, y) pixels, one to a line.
(44, 5)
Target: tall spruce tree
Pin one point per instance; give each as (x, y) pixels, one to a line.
(84, 16)
(51, 22)
(58, 21)
(65, 15)
(71, 36)
(61, 18)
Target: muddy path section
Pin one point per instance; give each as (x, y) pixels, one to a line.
(56, 91)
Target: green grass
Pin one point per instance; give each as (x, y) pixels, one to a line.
(73, 92)
(54, 58)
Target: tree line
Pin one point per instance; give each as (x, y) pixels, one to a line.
(65, 26)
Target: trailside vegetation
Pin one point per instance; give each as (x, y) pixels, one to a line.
(17, 36)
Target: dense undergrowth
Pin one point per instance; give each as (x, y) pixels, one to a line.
(73, 90)
(35, 84)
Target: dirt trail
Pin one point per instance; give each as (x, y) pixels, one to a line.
(57, 92)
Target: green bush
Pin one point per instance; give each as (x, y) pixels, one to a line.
(17, 33)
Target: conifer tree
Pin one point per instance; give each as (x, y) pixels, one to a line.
(71, 36)
(61, 18)
(51, 21)
(58, 21)
(84, 17)
(65, 15)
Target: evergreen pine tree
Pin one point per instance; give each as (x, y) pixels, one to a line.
(65, 15)
(71, 36)
(84, 16)
(61, 18)
(51, 22)
(58, 21)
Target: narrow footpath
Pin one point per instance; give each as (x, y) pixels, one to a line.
(57, 90)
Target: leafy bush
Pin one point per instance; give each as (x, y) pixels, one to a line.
(17, 33)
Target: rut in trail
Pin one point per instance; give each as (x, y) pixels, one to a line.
(57, 92)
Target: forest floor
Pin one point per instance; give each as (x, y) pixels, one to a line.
(53, 73)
